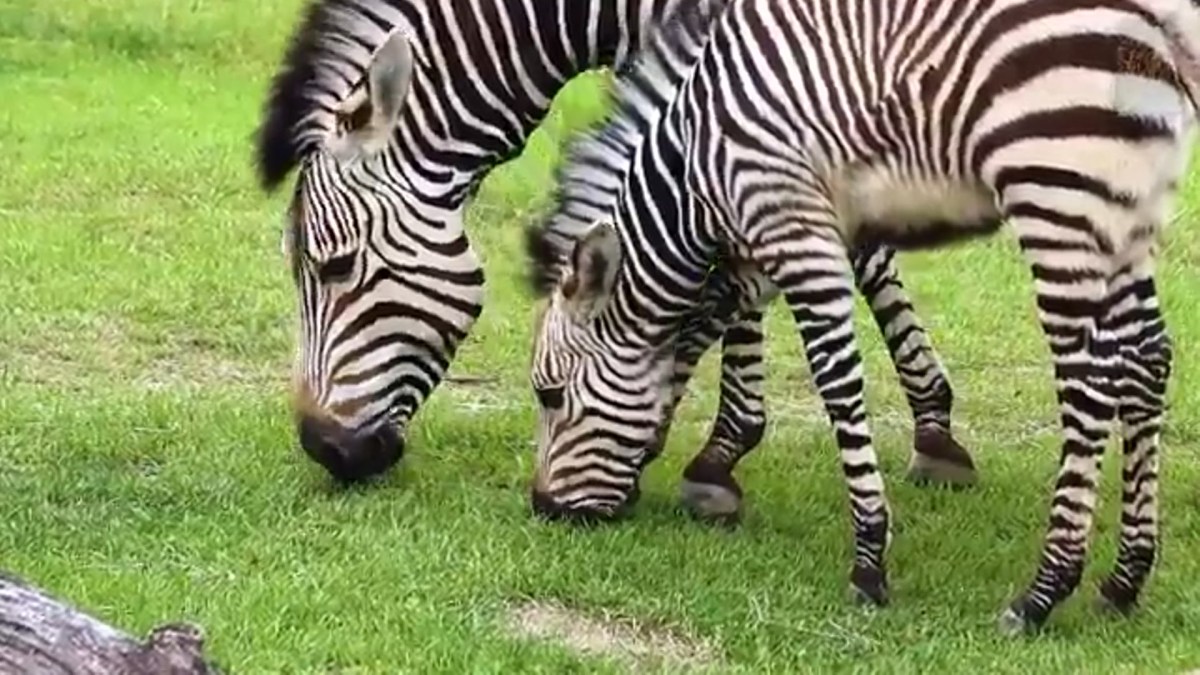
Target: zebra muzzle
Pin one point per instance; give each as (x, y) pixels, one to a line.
(348, 456)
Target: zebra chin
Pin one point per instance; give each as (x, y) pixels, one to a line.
(349, 457)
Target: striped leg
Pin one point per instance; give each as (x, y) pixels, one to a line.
(1146, 366)
(816, 284)
(1071, 293)
(798, 247)
(709, 489)
(936, 456)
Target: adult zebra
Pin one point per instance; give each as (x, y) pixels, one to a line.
(799, 126)
(393, 111)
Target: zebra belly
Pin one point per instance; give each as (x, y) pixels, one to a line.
(877, 207)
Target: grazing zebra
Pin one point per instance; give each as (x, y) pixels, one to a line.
(393, 111)
(799, 126)
(587, 185)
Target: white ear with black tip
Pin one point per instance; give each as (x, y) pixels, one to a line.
(368, 116)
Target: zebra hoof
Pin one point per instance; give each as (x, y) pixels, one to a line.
(938, 458)
(1116, 599)
(711, 503)
(868, 586)
(1014, 622)
(710, 493)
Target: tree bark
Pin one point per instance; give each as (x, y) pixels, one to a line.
(39, 634)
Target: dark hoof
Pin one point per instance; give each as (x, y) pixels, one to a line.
(1017, 619)
(938, 458)
(711, 494)
(1116, 599)
(711, 503)
(868, 586)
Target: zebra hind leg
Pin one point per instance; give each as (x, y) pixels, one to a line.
(1072, 291)
(936, 456)
(1145, 351)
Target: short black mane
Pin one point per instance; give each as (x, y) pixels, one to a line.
(544, 260)
(587, 179)
(311, 71)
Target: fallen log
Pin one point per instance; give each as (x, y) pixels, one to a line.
(40, 634)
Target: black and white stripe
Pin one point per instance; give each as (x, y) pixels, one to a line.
(393, 111)
(802, 130)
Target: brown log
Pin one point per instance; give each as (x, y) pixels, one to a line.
(39, 634)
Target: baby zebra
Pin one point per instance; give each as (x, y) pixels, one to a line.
(587, 186)
(800, 129)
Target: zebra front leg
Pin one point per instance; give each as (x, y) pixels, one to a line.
(1072, 291)
(808, 263)
(1145, 350)
(703, 327)
(936, 456)
(709, 490)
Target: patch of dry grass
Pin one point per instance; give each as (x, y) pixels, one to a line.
(78, 352)
(635, 644)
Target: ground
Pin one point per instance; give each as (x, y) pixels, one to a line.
(149, 472)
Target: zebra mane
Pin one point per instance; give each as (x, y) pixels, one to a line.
(326, 58)
(591, 176)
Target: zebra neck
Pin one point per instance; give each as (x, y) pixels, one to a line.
(489, 72)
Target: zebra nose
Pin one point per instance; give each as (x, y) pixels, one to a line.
(349, 457)
(546, 506)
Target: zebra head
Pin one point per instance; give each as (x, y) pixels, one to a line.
(366, 271)
(341, 265)
(601, 388)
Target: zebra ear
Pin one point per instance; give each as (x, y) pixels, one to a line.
(366, 118)
(594, 264)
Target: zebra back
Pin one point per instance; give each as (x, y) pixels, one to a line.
(491, 69)
(590, 177)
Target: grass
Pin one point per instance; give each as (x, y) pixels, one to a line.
(149, 472)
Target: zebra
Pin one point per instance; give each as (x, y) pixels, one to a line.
(587, 183)
(392, 112)
(798, 129)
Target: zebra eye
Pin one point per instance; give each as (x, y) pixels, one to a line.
(336, 268)
(550, 397)
(353, 121)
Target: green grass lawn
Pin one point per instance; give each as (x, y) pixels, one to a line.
(148, 470)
